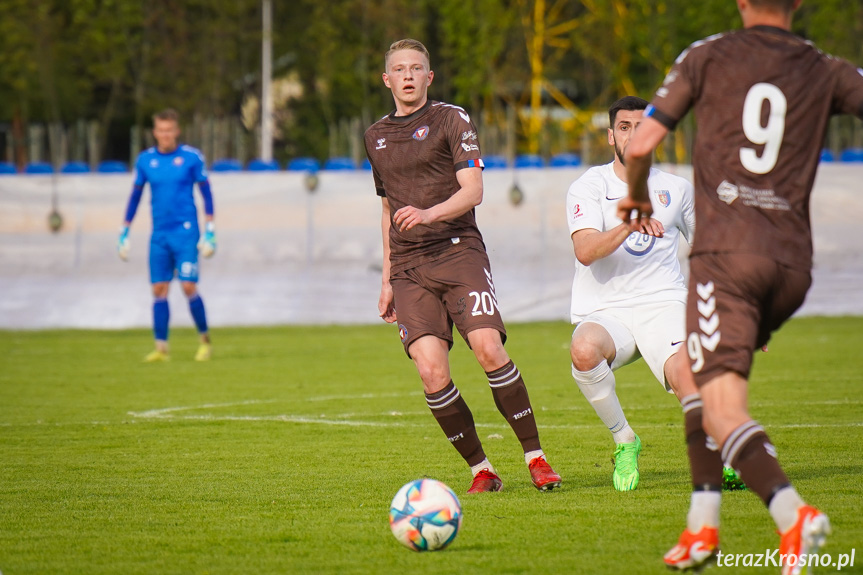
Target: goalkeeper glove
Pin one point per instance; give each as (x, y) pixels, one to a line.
(123, 244)
(208, 243)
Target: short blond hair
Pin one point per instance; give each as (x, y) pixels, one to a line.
(406, 44)
(168, 114)
(780, 5)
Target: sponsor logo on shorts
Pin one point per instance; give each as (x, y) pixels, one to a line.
(188, 269)
(403, 332)
(421, 134)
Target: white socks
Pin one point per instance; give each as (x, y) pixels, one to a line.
(783, 508)
(703, 510)
(531, 455)
(484, 464)
(597, 385)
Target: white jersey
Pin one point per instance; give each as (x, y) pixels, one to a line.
(644, 269)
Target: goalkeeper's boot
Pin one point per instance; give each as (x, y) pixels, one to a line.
(543, 476)
(484, 481)
(731, 481)
(693, 550)
(203, 353)
(806, 537)
(625, 474)
(156, 356)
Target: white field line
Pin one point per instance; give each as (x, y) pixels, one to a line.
(175, 413)
(346, 419)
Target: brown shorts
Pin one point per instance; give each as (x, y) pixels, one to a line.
(735, 302)
(456, 289)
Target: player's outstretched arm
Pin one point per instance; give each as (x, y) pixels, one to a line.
(591, 245)
(123, 243)
(465, 199)
(636, 208)
(386, 305)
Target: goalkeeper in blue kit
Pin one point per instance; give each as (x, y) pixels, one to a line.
(172, 171)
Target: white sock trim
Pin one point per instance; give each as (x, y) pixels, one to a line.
(484, 464)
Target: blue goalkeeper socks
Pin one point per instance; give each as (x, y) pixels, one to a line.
(161, 315)
(196, 306)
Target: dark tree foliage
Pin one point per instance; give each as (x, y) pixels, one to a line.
(118, 61)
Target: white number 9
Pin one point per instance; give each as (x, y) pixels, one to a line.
(696, 353)
(771, 134)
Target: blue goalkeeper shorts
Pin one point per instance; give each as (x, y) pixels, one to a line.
(174, 252)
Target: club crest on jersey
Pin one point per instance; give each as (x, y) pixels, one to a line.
(421, 134)
(664, 197)
(178, 161)
(403, 332)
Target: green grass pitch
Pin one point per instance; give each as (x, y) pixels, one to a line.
(282, 454)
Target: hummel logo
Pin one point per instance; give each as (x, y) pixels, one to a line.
(382, 143)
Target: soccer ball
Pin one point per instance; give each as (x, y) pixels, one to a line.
(425, 515)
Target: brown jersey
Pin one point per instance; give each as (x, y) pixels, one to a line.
(762, 99)
(414, 162)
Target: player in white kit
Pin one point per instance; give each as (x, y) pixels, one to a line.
(629, 293)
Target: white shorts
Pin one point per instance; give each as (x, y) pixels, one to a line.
(654, 332)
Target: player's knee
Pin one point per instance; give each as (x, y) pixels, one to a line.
(190, 289)
(489, 351)
(160, 290)
(434, 376)
(585, 356)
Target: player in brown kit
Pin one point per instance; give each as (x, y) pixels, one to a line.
(762, 98)
(427, 169)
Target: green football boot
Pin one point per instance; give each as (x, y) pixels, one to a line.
(731, 481)
(626, 465)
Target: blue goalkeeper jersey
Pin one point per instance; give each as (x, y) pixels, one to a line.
(172, 179)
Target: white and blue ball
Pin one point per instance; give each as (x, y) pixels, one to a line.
(425, 515)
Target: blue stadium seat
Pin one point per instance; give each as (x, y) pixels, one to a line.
(7, 168)
(38, 168)
(367, 165)
(304, 165)
(529, 161)
(259, 165)
(851, 155)
(226, 165)
(827, 156)
(565, 160)
(112, 167)
(340, 163)
(75, 168)
(494, 162)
